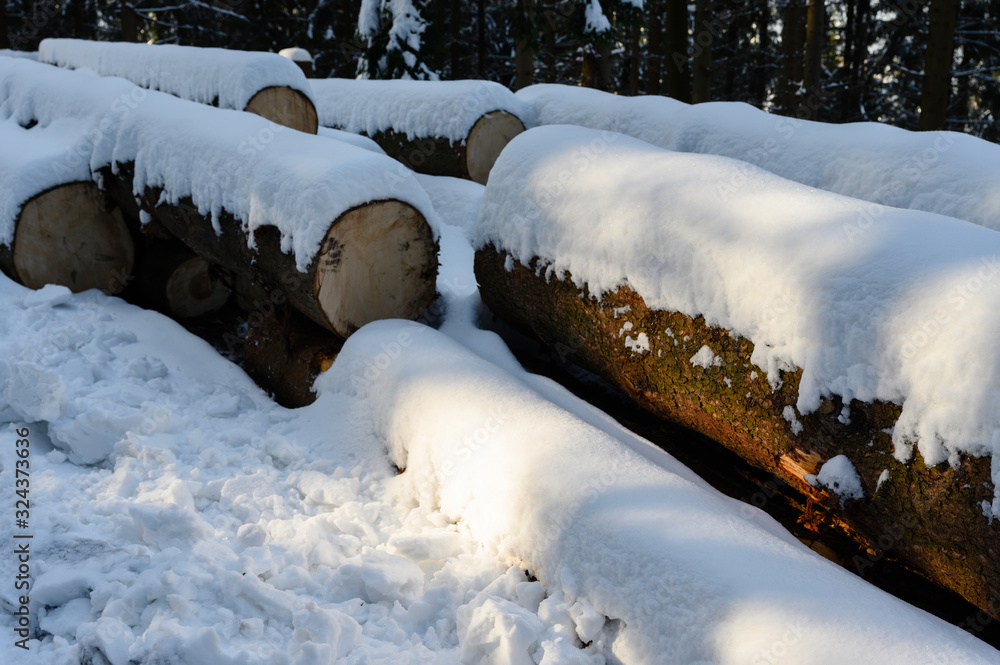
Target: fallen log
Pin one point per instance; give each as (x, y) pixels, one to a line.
(759, 326)
(55, 225)
(266, 84)
(452, 128)
(348, 238)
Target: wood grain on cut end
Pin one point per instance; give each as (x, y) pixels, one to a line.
(192, 290)
(67, 236)
(378, 261)
(487, 139)
(285, 106)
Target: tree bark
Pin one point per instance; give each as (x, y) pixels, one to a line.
(481, 43)
(70, 235)
(928, 517)
(677, 80)
(376, 261)
(524, 44)
(936, 91)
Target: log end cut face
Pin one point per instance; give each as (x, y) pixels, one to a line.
(487, 138)
(378, 261)
(67, 236)
(285, 106)
(193, 290)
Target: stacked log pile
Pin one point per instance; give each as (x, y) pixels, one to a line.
(692, 306)
(345, 242)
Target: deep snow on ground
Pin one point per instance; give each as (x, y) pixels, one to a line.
(180, 516)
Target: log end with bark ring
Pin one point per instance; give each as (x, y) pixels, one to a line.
(378, 261)
(192, 289)
(67, 236)
(487, 138)
(287, 107)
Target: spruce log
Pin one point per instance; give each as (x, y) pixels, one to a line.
(471, 158)
(451, 128)
(930, 518)
(68, 235)
(266, 84)
(377, 260)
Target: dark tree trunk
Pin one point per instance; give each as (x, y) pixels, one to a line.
(936, 91)
(459, 70)
(761, 58)
(654, 47)
(481, 44)
(4, 40)
(130, 31)
(793, 41)
(704, 39)
(677, 79)
(634, 59)
(549, 74)
(815, 43)
(524, 44)
(930, 518)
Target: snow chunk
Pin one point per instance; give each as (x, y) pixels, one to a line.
(638, 345)
(221, 77)
(418, 109)
(705, 358)
(839, 476)
(788, 413)
(296, 54)
(50, 295)
(882, 479)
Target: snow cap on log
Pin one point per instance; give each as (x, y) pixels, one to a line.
(664, 567)
(475, 119)
(263, 83)
(944, 172)
(898, 313)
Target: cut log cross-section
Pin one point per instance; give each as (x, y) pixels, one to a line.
(67, 235)
(377, 260)
(176, 281)
(285, 106)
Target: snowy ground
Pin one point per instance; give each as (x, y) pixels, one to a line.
(178, 515)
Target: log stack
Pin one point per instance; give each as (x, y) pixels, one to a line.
(753, 326)
(451, 128)
(262, 83)
(344, 242)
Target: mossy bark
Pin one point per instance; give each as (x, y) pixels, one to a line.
(929, 518)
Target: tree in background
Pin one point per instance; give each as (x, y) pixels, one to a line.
(393, 32)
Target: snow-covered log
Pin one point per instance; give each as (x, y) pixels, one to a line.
(453, 128)
(175, 280)
(55, 225)
(844, 368)
(344, 232)
(649, 563)
(263, 83)
(944, 172)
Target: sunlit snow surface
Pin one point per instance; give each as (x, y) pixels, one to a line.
(180, 516)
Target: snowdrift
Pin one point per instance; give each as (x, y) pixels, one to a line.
(263, 83)
(654, 565)
(750, 316)
(944, 172)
